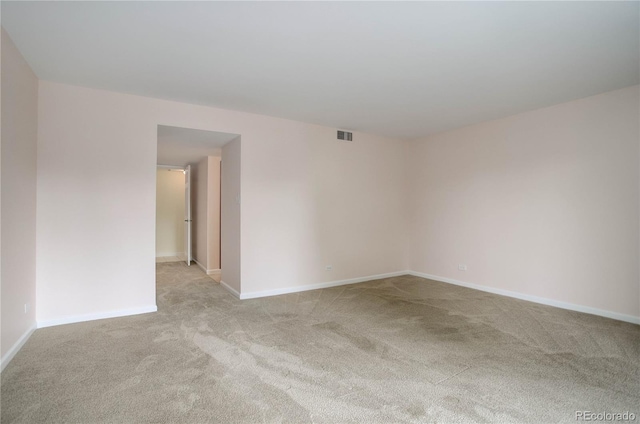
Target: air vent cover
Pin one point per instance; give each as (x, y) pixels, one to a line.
(346, 136)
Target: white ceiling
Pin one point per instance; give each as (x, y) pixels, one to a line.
(184, 146)
(403, 69)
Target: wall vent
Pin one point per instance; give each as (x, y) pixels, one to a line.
(346, 136)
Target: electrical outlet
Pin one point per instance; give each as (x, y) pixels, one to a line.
(462, 267)
(26, 308)
(329, 267)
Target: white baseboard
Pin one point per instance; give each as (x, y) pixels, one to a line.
(16, 347)
(170, 255)
(297, 289)
(207, 271)
(231, 289)
(101, 315)
(542, 300)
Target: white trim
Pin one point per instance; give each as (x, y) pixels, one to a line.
(230, 289)
(16, 347)
(101, 315)
(542, 300)
(207, 271)
(287, 290)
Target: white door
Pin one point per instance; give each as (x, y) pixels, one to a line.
(187, 214)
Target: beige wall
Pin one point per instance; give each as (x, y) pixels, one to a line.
(231, 214)
(206, 212)
(213, 213)
(169, 213)
(545, 203)
(96, 206)
(18, 203)
(308, 201)
(199, 207)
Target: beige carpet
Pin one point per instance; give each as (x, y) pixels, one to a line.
(402, 349)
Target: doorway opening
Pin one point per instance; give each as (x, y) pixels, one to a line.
(189, 198)
(172, 215)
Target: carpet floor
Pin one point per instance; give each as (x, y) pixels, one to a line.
(402, 349)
